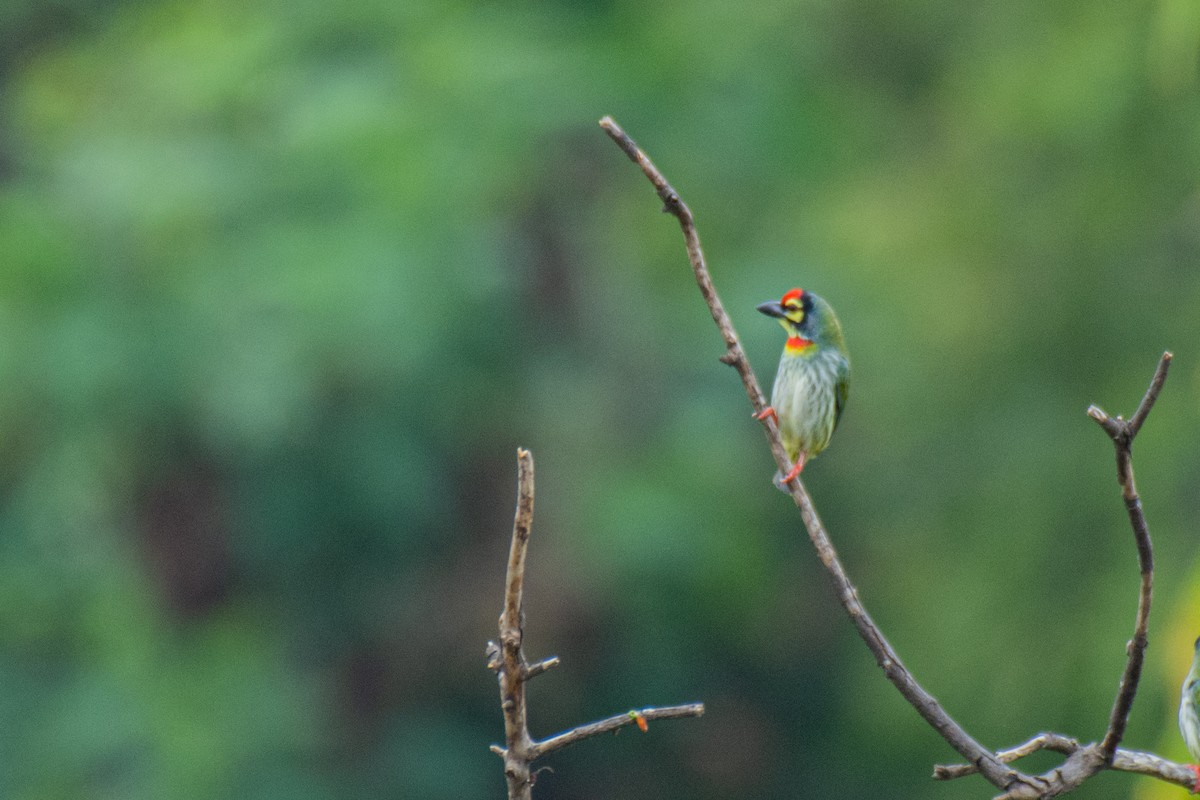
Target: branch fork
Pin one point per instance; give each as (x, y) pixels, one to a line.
(507, 660)
(1082, 761)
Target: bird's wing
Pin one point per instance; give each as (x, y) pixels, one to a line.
(1189, 725)
(843, 391)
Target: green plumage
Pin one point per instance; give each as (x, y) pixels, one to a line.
(813, 380)
(1189, 702)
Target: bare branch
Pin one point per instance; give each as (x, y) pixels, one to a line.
(673, 204)
(1123, 761)
(1043, 741)
(542, 666)
(1085, 761)
(1122, 434)
(512, 670)
(925, 703)
(507, 659)
(613, 723)
(1155, 767)
(1082, 761)
(1156, 384)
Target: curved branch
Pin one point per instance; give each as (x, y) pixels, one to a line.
(673, 204)
(1084, 761)
(1122, 434)
(926, 704)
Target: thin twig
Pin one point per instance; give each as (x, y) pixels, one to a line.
(1151, 397)
(508, 660)
(1134, 761)
(1043, 741)
(673, 204)
(533, 670)
(613, 723)
(926, 705)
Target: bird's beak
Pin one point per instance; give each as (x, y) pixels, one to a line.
(772, 308)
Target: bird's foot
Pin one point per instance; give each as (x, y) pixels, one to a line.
(1195, 768)
(766, 412)
(798, 467)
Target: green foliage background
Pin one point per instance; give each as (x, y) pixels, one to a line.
(283, 286)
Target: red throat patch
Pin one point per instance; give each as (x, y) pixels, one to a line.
(798, 344)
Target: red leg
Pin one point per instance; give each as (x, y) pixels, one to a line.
(766, 412)
(795, 473)
(1195, 768)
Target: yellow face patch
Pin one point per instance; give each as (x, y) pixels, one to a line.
(792, 304)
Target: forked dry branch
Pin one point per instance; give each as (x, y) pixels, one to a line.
(507, 660)
(1082, 761)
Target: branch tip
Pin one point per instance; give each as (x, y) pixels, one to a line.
(1156, 384)
(613, 723)
(545, 665)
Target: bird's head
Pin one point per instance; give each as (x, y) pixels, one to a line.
(808, 320)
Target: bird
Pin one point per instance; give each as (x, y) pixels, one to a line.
(1189, 714)
(813, 380)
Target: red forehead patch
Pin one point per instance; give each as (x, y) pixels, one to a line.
(794, 294)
